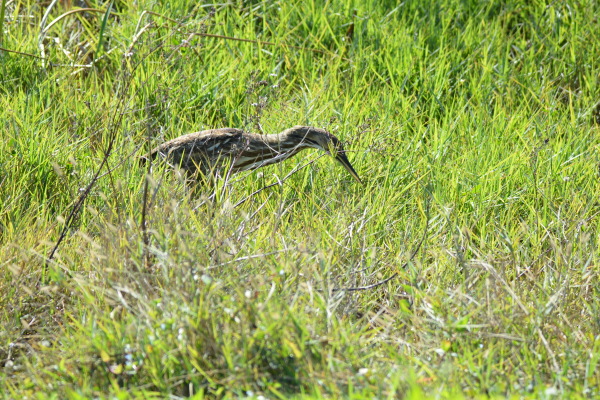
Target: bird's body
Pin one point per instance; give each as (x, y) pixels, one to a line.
(207, 151)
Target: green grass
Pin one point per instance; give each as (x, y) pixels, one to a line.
(475, 126)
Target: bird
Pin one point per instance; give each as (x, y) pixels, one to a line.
(205, 152)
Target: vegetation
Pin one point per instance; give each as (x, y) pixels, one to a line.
(467, 266)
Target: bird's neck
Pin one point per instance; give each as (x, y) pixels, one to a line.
(269, 149)
(282, 142)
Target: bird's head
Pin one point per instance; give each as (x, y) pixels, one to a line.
(321, 139)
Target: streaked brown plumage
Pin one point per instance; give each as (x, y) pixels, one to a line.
(206, 151)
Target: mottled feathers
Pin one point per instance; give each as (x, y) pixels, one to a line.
(208, 151)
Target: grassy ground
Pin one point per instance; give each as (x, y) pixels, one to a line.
(475, 126)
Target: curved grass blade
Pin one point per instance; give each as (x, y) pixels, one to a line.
(103, 28)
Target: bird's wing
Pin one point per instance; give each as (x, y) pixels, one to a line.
(196, 148)
(201, 141)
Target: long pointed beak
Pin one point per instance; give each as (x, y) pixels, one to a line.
(342, 159)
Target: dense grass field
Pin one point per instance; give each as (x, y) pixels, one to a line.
(467, 266)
